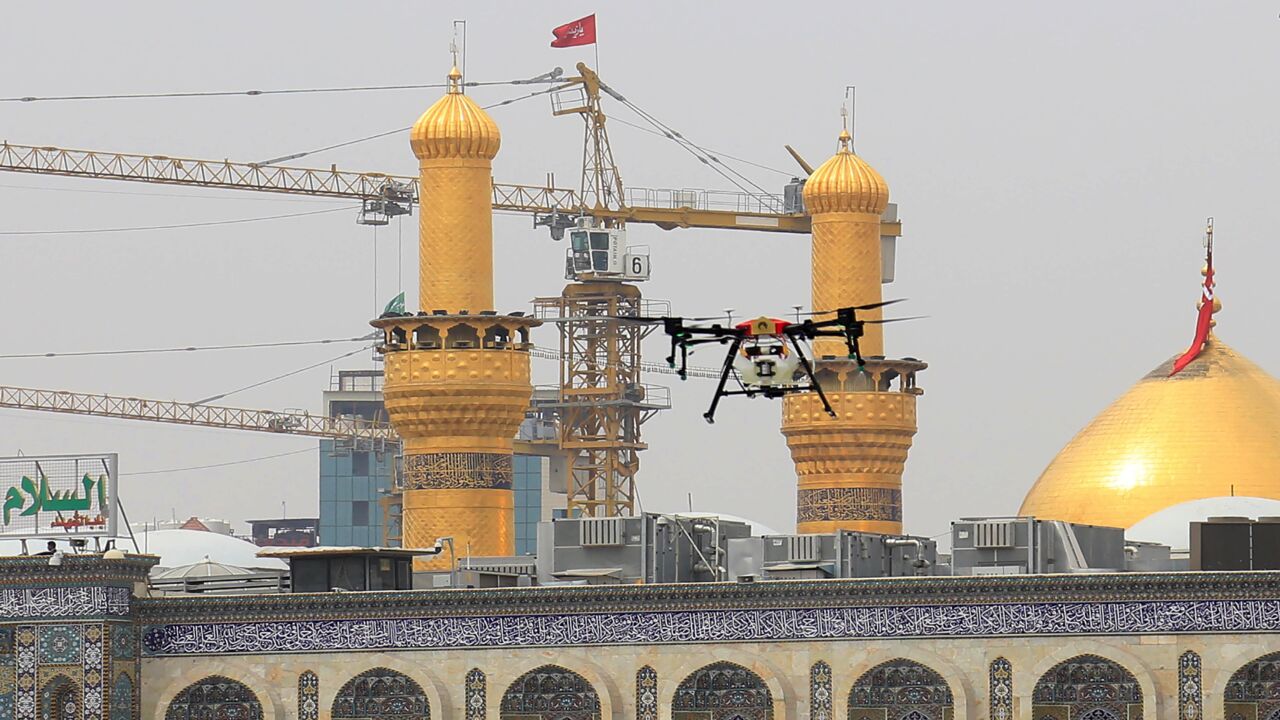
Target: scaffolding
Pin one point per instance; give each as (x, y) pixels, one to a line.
(602, 403)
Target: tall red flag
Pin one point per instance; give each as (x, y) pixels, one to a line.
(578, 32)
(1204, 321)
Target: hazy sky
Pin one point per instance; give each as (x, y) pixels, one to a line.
(1053, 165)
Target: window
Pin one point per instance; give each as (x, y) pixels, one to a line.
(360, 512)
(367, 409)
(360, 463)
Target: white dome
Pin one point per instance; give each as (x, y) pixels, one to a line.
(176, 548)
(188, 547)
(204, 568)
(1171, 525)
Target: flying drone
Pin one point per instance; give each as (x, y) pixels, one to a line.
(766, 355)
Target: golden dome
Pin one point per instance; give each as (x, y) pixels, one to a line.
(455, 127)
(1212, 430)
(845, 183)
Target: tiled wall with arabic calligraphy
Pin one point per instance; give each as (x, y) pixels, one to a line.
(53, 659)
(63, 602)
(706, 626)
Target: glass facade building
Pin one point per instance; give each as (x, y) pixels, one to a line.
(355, 481)
(352, 484)
(528, 471)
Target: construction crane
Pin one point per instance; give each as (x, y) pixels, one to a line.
(178, 413)
(384, 196)
(362, 434)
(602, 401)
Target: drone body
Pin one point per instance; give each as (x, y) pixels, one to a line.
(766, 356)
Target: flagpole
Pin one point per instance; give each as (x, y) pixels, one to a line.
(596, 46)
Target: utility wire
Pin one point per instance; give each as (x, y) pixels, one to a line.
(267, 197)
(260, 383)
(397, 131)
(218, 465)
(255, 93)
(150, 351)
(94, 231)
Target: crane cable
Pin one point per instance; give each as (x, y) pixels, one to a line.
(703, 155)
(718, 153)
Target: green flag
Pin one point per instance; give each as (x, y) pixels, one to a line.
(396, 305)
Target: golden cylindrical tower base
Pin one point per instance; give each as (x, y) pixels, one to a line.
(849, 467)
(456, 389)
(481, 523)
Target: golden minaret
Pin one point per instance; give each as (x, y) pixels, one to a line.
(849, 467)
(457, 373)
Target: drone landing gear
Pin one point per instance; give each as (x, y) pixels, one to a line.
(813, 379)
(710, 414)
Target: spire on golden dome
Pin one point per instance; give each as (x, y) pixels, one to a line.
(455, 127)
(1207, 306)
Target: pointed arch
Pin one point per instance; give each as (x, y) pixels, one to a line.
(122, 698)
(308, 696)
(476, 692)
(1000, 690)
(820, 692)
(381, 693)
(901, 688)
(217, 697)
(1087, 687)
(646, 694)
(724, 691)
(60, 699)
(1254, 689)
(550, 692)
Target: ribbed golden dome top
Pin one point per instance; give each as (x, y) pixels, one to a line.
(1212, 430)
(455, 127)
(845, 183)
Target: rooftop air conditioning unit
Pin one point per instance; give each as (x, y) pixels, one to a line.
(993, 534)
(599, 532)
(804, 548)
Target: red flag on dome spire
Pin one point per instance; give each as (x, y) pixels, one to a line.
(1204, 321)
(578, 32)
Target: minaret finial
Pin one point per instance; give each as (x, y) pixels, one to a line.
(847, 109)
(455, 75)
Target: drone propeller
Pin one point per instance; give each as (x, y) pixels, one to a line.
(869, 306)
(658, 320)
(889, 320)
